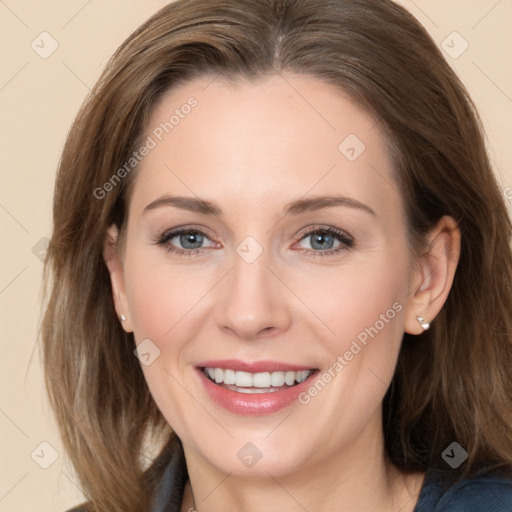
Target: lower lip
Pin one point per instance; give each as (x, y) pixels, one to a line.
(256, 404)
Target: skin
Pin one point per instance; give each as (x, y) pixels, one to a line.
(252, 147)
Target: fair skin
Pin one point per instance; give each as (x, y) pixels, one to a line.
(251, 147)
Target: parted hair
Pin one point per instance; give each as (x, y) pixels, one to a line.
(452, 383)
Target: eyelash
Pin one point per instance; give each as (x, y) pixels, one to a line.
(346, 240)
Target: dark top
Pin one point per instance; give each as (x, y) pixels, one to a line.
(485, 493)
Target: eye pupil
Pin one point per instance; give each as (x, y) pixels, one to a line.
(195, 239)
(320, 238)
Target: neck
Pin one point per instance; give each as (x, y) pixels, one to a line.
(359, 478)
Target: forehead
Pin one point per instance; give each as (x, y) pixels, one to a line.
(261, 142)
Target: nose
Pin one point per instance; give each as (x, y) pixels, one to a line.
(252, 304)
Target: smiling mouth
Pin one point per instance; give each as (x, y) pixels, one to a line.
(262, 382)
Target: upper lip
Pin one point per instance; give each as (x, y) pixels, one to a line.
(253, 366)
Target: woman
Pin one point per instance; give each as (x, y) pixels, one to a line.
(280, 257)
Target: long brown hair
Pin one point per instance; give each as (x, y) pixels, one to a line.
(453, 383)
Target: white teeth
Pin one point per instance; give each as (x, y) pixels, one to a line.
(261, 380)
(229, 377)
(289, 378)
(242, 379)
(302, 376)
(256, 380)
(277, 379)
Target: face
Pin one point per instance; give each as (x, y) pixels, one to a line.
(266, 272)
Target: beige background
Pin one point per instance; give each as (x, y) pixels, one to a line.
(38, 101)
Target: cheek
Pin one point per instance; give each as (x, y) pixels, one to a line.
(147, 297)
(355, 299)
(160, 301)
(160, 295)
(364, 308)
(367, 318)
(341, 303)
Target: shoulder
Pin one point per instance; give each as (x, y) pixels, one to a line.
(81, 508)
(487, 492)
(490, 493)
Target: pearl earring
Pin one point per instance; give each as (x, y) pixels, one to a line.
(123, 318)
(425, 325)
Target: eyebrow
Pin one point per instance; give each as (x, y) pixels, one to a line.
(297, 206)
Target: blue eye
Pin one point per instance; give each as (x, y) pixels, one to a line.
(194, 239)
(190, 240)
(187, 242)
(322, 241)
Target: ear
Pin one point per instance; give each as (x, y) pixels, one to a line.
(113, 260)
(433, 275)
